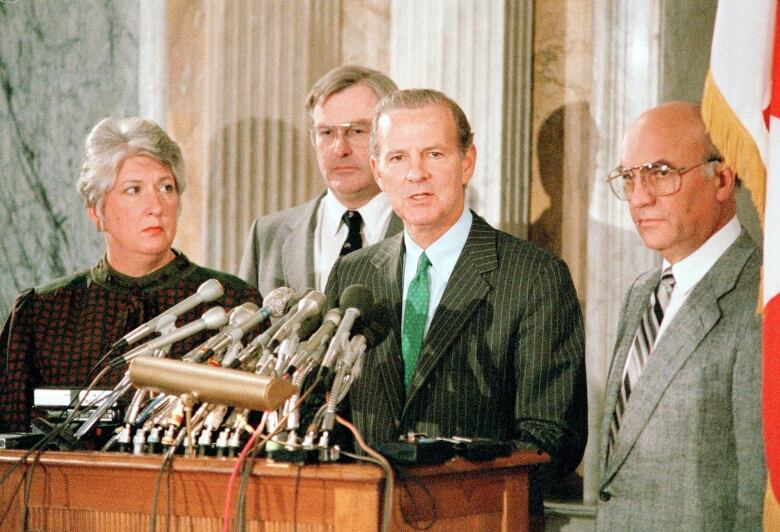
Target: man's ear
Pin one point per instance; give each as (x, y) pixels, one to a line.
(375, 171)
(726, 182)
(468, 164)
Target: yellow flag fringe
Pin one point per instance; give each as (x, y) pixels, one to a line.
(735, 143)
(771, 510)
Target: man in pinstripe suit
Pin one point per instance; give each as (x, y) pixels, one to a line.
(502, 354)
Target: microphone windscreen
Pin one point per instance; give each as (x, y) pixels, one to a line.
(277, 300)
(356, 296)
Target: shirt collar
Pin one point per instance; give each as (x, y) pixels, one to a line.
(104, 275)
(692, 268)
(378, 208)
(444, 253)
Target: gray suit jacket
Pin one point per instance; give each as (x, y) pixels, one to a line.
(689, 454)
(503, 357)
(279, 250)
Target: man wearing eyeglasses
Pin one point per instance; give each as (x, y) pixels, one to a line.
(681, 443)
(297, 247)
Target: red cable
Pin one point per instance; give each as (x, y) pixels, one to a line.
(226, 513)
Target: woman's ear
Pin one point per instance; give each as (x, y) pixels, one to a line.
(95, 217)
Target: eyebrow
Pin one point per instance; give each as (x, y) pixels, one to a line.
(657, 162)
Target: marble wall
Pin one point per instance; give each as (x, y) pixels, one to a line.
(63, 66)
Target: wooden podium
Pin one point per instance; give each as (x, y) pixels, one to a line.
(85, 491)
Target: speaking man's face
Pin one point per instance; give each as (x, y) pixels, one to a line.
(422, 170)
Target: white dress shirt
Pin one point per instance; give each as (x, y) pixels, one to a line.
(331, 231)
(690, 270)
(442, 254)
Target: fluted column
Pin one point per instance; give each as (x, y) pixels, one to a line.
(479, 54)
(262, 58)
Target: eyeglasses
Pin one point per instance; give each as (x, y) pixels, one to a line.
(658, 179)
(356, 133)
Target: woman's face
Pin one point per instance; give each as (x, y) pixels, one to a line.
(139, 215)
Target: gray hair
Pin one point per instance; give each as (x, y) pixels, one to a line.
(415, 99)
(111, 142)
(344, 77)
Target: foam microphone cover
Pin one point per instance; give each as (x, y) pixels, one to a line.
(210, 384)
(357, 296)
(373, 322)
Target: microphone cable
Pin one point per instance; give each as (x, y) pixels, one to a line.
(246, 472)
(37, 449)
(381, 461)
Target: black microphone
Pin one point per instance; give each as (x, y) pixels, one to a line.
(356, 301)
(214, 318)
(207, 291)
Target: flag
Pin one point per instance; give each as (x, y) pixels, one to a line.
(741, 106)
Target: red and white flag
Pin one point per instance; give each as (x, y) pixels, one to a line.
(741, 105)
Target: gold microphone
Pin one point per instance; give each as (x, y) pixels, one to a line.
(210, 384)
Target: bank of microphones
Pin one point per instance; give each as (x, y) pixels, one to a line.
(209, 401)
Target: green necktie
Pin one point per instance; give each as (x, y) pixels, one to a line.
(415, 313)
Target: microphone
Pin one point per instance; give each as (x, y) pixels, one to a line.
(236, 317)
(261, 341)
(357, 301)
(214, 318)
(210, 384)
(311, 305)
(274, 305)
(207, 291)
(330, 322)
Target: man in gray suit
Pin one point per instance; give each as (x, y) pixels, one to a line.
(681, 443)
(297, 247)
(484, 329)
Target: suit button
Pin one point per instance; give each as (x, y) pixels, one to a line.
(604, 495)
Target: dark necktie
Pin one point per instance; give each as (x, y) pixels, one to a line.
(641, 348)
(415, 314)
(354, 222)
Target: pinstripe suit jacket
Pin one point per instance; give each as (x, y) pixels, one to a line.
(689, 454)
(503, 357)
(279, 250)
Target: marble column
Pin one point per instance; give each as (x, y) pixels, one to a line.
(63, 67)
(479, 54)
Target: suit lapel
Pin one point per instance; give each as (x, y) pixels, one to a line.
(298, 247)
(640, 294)
(691, 324)
(464, 294)
(387, 288)
(395, 226)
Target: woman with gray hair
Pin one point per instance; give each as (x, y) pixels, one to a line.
(131, 181)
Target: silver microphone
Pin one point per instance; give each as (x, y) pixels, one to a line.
(214, 318)
(207, 291)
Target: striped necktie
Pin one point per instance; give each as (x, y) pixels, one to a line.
(415, 314)
(641, 348)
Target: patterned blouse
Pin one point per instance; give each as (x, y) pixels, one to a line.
(57, 332)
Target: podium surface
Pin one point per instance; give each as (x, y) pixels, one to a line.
(84, 491)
